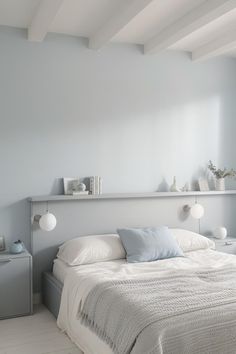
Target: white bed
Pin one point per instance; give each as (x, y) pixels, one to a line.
(60, 269)
(79, 280)
(85, 339)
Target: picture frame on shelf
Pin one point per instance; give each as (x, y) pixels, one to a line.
(70, 185)
(2, 243)
(203, 184)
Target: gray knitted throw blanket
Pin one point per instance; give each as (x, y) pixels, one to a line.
(167, 313)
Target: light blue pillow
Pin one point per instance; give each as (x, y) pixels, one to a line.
(149, 244)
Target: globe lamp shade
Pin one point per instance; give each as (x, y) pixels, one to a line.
(197, 211)
(47, 222)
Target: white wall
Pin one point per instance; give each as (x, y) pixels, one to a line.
(133, 119)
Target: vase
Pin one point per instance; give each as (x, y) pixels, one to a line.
(173, 187)
(220, 184)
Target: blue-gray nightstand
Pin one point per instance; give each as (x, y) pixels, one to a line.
(15, 284)
(228, 245)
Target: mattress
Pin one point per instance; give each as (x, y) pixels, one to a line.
(79, 281)
(59, 270)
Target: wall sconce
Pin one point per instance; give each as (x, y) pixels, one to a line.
(47, 222)
(196, 211)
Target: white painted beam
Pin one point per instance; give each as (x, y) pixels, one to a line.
(43, 19)
(220, 45)
(126, 12)
(209, 11)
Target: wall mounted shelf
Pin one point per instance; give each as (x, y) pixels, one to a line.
(60, 198)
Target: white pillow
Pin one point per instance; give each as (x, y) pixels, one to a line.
(191, 241)
(91, 249)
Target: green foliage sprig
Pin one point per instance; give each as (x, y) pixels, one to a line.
(218, 173)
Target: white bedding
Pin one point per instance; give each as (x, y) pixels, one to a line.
(80, 280)
(59, 270)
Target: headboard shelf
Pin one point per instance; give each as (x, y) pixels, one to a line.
(60, 198)
(101, 214)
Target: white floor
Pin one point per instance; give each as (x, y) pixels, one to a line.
(36, 334)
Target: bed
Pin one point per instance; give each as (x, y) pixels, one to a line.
(208, 328)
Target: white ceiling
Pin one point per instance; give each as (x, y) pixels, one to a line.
(130, 21)
(158, 15)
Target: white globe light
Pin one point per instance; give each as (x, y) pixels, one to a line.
(197, 211)
(220, 232)
(47, 222)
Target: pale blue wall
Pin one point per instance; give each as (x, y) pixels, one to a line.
(133, 119)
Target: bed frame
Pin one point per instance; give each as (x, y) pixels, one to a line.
(104, 214)
(51, 292)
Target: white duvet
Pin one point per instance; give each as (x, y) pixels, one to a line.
(80, 280)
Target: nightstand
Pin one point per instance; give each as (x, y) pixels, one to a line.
(228, 245)
(15, 284)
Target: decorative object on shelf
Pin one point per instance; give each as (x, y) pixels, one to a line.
(220, 175)
(80, 193)
(220, 184)
(203, 184)
(220, 232)
(80, 189)
(95, 184)
(17, 247)
(186, 187)
(2, 243)
(70, 185)
(46, 222)
(173, 187)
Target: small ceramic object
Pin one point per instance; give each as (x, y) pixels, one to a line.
(220, 184)
(81, 187)
(173, 187)
(220, 232)
(17, 247)
(185, 187)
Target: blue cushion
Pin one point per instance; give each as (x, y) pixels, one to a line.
(149, 244)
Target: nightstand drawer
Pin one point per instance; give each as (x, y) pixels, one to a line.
(15, 286)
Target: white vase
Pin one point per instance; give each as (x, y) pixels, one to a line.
(173, 187)
(220, 184)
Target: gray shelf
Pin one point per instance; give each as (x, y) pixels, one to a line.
(60, 198)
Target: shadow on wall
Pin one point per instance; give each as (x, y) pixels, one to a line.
(163, 186)
(15, 221)
(15, 218)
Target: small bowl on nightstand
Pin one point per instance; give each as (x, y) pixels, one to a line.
(17, 247)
